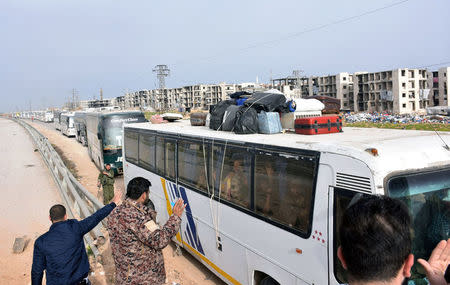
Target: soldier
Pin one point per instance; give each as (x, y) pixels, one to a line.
(106, 179)
(136, 240)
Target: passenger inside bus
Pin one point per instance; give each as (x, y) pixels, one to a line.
(267, 187)
(295, 206)
(235, 187)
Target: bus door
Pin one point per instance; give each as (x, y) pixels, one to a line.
(338, 201)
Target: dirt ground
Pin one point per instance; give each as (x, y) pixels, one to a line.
(183, 270)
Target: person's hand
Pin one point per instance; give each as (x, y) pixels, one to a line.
(437, 264)
(117, 197)
(178, 208)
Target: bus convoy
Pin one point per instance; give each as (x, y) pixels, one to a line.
(266, 209)
(99, 130)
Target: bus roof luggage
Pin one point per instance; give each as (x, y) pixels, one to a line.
(198, 119)
(217, 113)
(157, 119)
(171, 117)
(269, 122)
(332, 105)
(308, 105)
(240, 94)
(229, 118)
(246, 121)
(267, 102)
(318, 125)
(288, 119)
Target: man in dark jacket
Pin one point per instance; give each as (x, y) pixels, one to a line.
(61, 251)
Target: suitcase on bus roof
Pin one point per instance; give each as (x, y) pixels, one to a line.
(318, 125)
(198, 119)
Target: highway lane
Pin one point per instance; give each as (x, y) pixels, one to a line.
(27, 193)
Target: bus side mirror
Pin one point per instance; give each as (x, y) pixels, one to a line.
(99, 136)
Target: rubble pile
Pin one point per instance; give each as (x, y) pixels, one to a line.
(395, 119)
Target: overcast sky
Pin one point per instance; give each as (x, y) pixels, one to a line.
(49, 47)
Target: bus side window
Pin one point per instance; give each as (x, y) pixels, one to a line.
(159, 155)
(170, 159)
(147, 151)
(131, 146)
(267, 185)
(191, 164)
(235, 182)
(284, 188)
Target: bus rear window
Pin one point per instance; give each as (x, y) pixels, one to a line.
(131, 143)
(147, 151)
(427, 196)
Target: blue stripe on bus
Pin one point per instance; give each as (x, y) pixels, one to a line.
(189, 238)
(172, 192)
(171, 198)
(191, 224)
(189, 231)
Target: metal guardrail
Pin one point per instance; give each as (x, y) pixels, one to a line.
(79, 202)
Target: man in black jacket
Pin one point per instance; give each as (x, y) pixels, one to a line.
(61, 251)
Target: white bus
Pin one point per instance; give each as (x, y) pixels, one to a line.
(274, 216)
(67, 124)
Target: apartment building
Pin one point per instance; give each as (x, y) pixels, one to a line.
(199, 96)
(338, 86)
(439, 84)
(96, 103)
(397, 91)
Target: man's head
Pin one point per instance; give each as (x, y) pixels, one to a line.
(376, 240)
(138, 189)
(108, 166)
(58, 213)
(237, 165)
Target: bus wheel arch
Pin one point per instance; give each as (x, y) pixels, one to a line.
(261, 278)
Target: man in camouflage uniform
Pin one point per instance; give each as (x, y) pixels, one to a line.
(136, 239)
(106, 179)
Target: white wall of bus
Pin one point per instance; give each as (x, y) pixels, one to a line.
(287, 265)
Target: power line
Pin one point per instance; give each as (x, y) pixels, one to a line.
(435, 64)
(297, 34)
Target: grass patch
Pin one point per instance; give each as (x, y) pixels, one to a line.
(67, 162)
(420, 127)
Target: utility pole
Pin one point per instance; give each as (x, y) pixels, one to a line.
(101, 94)
(162, 71)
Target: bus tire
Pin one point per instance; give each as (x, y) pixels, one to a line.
(269, 281)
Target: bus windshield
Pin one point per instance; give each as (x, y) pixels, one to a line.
(427, 196)
(112, 128)
(112, 138)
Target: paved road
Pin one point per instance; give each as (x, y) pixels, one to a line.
(27, 192)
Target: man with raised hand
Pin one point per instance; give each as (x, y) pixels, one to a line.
(61, 252)
(136, 240)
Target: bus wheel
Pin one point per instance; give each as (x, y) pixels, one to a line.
(269, 281)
